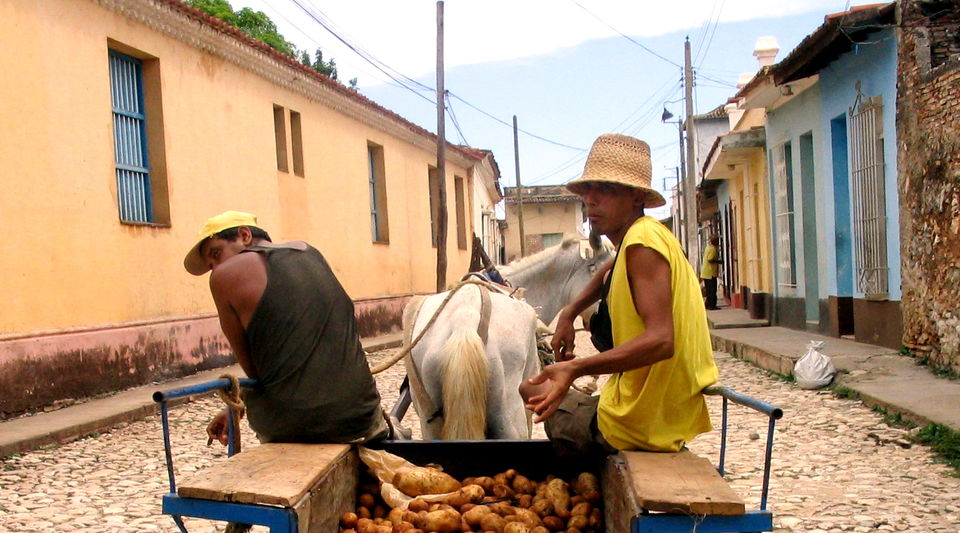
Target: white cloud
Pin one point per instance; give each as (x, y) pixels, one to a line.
(402, 33)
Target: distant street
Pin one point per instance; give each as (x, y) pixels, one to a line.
(837, 467)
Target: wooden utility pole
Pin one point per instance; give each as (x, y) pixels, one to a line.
(441, 161)
(690, 182)
(516, 159)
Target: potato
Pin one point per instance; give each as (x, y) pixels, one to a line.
(379, 511)
(502, 508)
(395, 516)
(386, 527)
(422, 480)
(502, 491)
(364, 512)
(466, 507)
(588, 486)
(442, 521)
(348, 531)
(366, 499)
(573, 530)
(523, 485)
(528, 517)
(582, 508)
(578, 521)
(492, 522)
(575, 499)
(558, 495)
(403, 526)
(596, 519)
(553, 523)
(484, 481)
(525, 500)
(466, 494)
(365, 525)
(417, 504)
(516, 527)
(542, 507)
(475, 515)
(540, 529)
(348, 520)
(501, 479)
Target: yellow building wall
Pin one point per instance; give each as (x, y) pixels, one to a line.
(539, 219)
(753, 227)
(72, 263)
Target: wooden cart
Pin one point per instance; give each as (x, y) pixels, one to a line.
(301, 488)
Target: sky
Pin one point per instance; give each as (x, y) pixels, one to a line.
(569, 70)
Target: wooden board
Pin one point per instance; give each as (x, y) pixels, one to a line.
(680, 482)
(272, 474)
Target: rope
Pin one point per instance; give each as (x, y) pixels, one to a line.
(406, 350)
(234, 402)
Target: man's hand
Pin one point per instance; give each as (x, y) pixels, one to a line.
(563, 338)
(549, 387)
(217, 428)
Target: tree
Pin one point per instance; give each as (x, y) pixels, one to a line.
(258, 25)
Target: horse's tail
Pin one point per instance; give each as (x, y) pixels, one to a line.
(464, 393)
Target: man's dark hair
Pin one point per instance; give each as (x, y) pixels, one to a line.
(231, 234)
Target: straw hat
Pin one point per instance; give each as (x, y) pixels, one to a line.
(194, 262)
(616, 158)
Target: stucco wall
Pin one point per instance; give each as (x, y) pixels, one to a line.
(538, 219)
(73, 264)
(928, 120)
(874, 66)
(787, 123)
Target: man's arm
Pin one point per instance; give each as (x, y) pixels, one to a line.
(649, 278)
(225, 283)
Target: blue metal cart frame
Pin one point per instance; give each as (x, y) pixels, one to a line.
(284, 520)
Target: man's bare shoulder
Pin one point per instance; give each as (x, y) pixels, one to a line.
(238, 268)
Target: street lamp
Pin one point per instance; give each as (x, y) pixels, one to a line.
(665, 118)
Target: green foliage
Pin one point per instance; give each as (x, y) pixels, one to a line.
(327, 67)
(258, 25)
(944, 441)
(845, 392)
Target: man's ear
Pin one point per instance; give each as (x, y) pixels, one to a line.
(245, 235)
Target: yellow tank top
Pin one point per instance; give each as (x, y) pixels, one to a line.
(658, 407)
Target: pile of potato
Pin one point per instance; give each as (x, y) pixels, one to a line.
(505, 503)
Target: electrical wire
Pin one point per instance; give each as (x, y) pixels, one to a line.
(625, 36)
(453, 118)
(505, 123)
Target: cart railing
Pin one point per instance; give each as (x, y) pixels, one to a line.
(773, 412)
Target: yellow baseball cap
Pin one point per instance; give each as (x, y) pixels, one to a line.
(194, 262)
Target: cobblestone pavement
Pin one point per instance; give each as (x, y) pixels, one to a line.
(837, 467)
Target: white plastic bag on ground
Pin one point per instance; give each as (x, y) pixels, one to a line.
(814, 370)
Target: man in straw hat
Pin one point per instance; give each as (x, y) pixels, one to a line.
(291, 327)
(661, 357)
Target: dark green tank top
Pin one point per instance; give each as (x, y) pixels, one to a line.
(314, 382)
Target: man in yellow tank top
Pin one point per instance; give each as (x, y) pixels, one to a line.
(662, 356)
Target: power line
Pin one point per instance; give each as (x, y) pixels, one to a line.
(625, 36)
(453, 118)
(535, 136)
(716, 23)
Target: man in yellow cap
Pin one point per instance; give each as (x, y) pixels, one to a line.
(291, 326)
(661, 357)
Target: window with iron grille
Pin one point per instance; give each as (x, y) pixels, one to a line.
(130, 138)
(785, 220)
(867, 191)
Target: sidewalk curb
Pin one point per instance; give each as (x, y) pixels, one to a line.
(781, 364)
(97, 415)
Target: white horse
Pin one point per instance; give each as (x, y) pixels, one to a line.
(453, 372)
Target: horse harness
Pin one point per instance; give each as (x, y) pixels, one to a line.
(483, 331)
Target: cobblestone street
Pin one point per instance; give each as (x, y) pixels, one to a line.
(837, 466)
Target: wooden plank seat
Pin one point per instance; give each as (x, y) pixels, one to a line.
(681, 483)
(316, 481)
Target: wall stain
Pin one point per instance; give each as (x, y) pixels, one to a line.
(30, 384)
